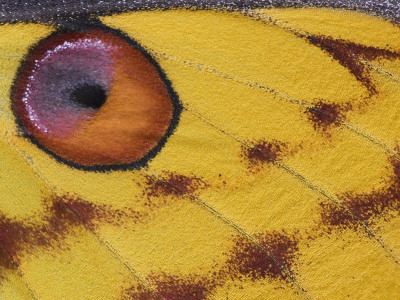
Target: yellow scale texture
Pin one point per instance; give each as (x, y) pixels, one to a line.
(256, 195)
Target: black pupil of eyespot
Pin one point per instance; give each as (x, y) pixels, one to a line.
(89, 95)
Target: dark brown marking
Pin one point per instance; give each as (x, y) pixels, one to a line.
(335, 216)
(324, 115)
(249, 260)
(17, 236)
(351, 56)
(60, 216)
(191, 287)
(368, 207)
(171, 184)
(187, 288)
(262, 152)
(245, 260)
(138, 293)
(5, 263)
(91, 214)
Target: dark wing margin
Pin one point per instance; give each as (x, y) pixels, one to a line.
(53, 10)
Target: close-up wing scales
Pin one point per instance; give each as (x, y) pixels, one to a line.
(200, 153)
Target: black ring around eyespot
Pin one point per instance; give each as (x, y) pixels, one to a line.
(88, 24)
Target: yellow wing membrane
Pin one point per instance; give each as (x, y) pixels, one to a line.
(280, 181)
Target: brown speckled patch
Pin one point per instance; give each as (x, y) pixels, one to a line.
(335, 216)
(138, 293)
(183, 288)
(249, 260)
(92, 214)
(192, 287)
(263, 152)
(351, 56)
(5, 263)
(18, 236)
(381, 203)
(244, 260)
(61, 215)
(324, 115)
(172, 184)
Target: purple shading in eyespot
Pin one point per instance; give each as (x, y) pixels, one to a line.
(61, 71)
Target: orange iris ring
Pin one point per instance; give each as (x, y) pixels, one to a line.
(50, 146)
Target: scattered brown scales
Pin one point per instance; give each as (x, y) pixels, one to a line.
(91, 214)
(21, 235)
(171, 184)
(368, 207)
(262, 152)
(61, 215)
(247, 259)
(244, 259)
(324, 115)
(351, 56)
(5, 263)
(138, 293)
(191, 287)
